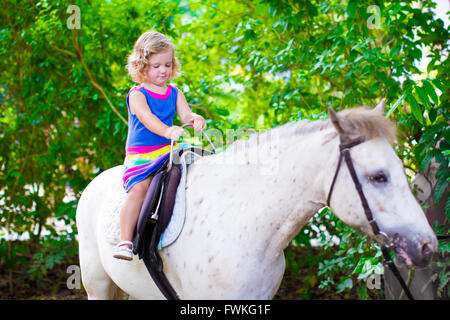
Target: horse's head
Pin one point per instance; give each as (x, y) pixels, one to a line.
(384, 185)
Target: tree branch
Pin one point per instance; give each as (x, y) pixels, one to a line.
(67, 52)
(91, 78)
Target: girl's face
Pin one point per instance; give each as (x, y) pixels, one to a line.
(160, 68)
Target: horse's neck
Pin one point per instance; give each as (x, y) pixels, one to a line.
(289, 196)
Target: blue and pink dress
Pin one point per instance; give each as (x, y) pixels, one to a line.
(145, 150)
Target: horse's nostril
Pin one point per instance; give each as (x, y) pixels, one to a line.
(427, 251)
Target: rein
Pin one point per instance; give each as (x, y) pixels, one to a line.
(173, 141)
(344, 153)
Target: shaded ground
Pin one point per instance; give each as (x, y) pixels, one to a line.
(302, 284)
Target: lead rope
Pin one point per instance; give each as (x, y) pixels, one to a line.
(393, 268)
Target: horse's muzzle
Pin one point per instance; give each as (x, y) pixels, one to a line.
(414, 252)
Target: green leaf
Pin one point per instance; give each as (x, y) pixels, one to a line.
(344, 285)
(426, 160)
(430, 132)
(415, 108)
(432, 114)
(395, 50)
(395, 105)
(223, 112)
(444, 247)
(362, 293)
(439, 190)
(431, 92)
(439, 84)
(351, 9)
(447, 208)
(423, 97)
(360, 265)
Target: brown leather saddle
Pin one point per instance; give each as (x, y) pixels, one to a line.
(155, 215)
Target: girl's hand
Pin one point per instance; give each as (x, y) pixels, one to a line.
(173, 133)
(198, 122)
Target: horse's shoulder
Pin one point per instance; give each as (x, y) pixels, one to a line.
(110, 192)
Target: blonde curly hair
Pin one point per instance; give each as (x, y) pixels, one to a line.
(150, 42)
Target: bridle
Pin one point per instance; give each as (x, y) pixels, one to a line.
(344, 153)
(387, 243)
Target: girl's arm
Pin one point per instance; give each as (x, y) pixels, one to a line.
(139, 107)
(186, 115)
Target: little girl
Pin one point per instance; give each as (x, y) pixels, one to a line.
(151, 108)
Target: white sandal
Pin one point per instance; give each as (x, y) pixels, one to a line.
(123, 252)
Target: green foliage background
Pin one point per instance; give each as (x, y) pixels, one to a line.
(246, 63)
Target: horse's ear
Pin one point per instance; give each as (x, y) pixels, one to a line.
(380, 107)
(337, 123)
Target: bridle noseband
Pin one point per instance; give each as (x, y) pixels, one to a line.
(344, 153)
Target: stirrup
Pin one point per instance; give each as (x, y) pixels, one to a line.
(154, 216)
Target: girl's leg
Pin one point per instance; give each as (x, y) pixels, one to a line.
(131, 209)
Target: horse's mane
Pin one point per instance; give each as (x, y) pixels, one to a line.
(361, 122)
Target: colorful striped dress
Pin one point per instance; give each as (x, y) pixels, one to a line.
(145, 150)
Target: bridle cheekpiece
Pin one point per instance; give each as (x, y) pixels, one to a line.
(387, 243)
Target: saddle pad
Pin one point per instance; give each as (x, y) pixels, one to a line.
(176, 223)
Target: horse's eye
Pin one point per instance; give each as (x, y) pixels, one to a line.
(379, 177)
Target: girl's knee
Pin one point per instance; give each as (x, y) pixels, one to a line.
(140, 188)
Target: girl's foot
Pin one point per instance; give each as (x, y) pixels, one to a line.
(123, 250)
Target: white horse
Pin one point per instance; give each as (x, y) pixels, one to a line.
(240, 218)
